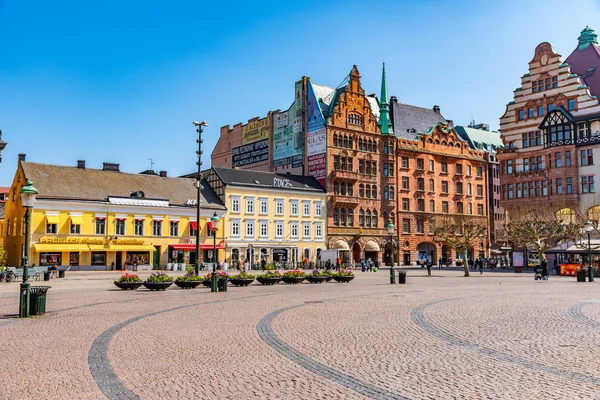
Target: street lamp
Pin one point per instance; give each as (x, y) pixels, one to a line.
(390, 229)
(588, 227)
(198, 188)
(28, 193)
(213, 279)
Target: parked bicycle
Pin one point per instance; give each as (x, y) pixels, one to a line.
(7, 276)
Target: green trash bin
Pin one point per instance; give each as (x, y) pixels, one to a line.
(61, 273)
(222, 285)
(37, 300)
(402, 277)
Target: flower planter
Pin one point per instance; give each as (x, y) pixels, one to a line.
(241, 281)
(128, 285)
(268, 281)
(206, 282)
(188, 284)
(292, 280)
(316, 279)
(343, 279)
(157, 285)
(328, 278)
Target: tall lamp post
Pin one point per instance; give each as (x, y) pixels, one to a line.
(213, 278)
(588, 227)
(390, 229)
(199, 188)
(28, 193)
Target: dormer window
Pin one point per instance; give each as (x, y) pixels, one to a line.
(355, 119)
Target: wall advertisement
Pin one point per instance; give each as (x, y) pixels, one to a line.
(288, 135)
(316, 139)
(255, 131)
(250, 153)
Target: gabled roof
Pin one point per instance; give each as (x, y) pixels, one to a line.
(480, 139)
(61, 182)
(328, 96)
(585, 61)
(406, 117)
(264, 180)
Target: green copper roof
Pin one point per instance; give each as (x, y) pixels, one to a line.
(587, 37)
(384, 107)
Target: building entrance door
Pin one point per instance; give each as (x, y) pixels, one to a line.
(119, 260)
(156, 256)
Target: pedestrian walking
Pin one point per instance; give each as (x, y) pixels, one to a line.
(338, 262)
(545, 274)
(440, 263)
(369, 264)
(479, 265)
(428, 265)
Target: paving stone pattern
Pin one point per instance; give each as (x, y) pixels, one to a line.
(496, 336)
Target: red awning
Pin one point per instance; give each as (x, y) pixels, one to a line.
(210, 247)
(194, 225)
(192, 247)
(211, 228)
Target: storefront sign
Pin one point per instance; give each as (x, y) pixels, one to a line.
(316, 166)
(250, 154)
(316, 139)
(255, 131)
(518, 259)
(191, 202)
(84, 240)
(282, 183)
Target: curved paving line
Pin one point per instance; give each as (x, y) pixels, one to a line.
(266, 333)
(417, 316)
(103, 373)
(576, 312)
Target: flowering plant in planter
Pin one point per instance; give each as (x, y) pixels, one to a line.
(343, 272)
(295, 273)
(188, 278)
(158, 277)
(128, 278)
(220, 275)
(242, 275)
(317, 272)
(270, 274)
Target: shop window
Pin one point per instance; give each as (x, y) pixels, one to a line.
(74, 258)
(50, 259)
(98, 258)
(142, 257)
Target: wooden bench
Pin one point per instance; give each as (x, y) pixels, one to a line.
(33, 273)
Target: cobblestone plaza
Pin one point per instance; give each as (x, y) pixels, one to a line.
(498, 336)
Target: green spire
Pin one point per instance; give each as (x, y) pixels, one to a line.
(384, 107)
(587, 37)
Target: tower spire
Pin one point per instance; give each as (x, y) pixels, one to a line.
(587, 37)
(384, 107)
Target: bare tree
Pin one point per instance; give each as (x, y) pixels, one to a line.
(460, 233)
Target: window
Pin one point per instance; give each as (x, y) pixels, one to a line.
(156, 228)
(431, 205)
(361, 218)
(459, 169)
(295, 208)
(318, 209)
(521, 115)
(431, 185)
(479, 190)
(50, 228)
(250, 206)
(445, 207)
(459, 207)
(540, 111)
(569, 186)
(420, 226)
(479, 209)
(250, 229)
(469, 189)
(405, 162)
(459, 188)
(540, 85)
(559, 188)
(138, 228)
(264, 206)
(361, 166)
(75, 229)
(392, 193)
(264, 229)
(368, 218)
(530, 113)
(421, 204)
(534, 87)
(548, 87)
(318, 231)
(100, 226)
(511, 193)
(469, 208)
(444, 186)
(385, 169)
(469, 170)
(336, 162)
(405, 225)
(235, 205)
(361, 190)
(558, 160)
(385, 148)
(386, 193)
(405, 204)
(306, 208)
(444, 167)
(368, 191)
(567, 158)
(571, 105)
(509, 166)
(538, 138)
(586, 157)
(279, 229)
(420, 164)
(554, 82)
(431, 165)
(420, 184)
(294, 228)
(550, 107)
(405, 184)
(355, 119)
(279, 207)
(587, 184)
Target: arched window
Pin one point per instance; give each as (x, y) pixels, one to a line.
(355, 119)
(374, 191)
(361, 217)
(336, 188)
(350, 142)
(386, 193)
(335, 139)
(385, 148)
(374, 168)
(361, 190)
(392, 193)
(350, 185)
(385, 217)
(368, 168)
(343, 217)
(336, 217)
(345, 143)
(374, 219)
(368, 218)
(343, 188)
(374, 146)
(368, 191)
(350, 217)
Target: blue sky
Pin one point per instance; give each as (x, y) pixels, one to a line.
(122, 81)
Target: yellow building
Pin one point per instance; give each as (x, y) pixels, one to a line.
(278, 218)
(103, 218)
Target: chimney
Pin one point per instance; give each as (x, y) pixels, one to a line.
(81, 164)
(393, 99)
(21, 156)
(450, 123)
(107, 166)
(163, 174)
(436, 109)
